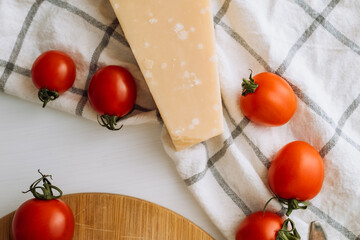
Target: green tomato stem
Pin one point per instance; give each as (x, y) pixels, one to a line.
(294, 204)
(47, 189)
(291, 204)
(109, 122)
(46, 95)
(285, 234)
(249, 85)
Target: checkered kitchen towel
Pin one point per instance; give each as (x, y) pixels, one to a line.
(313, 44)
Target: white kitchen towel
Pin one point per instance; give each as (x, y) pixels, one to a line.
(313, 44)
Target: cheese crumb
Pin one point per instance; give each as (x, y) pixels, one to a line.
(179, 131)
(153, 20)
(163, 65)
(148, 74)
(190, 80)
(186, 74)
(195, 121)
(192, 29)
(183, 35)
(178, 27)
(147, 44)
(149, 63)
(197, 81)
(200, 46)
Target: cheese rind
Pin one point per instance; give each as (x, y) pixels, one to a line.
(173, 43)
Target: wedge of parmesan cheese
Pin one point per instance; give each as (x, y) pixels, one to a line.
(173, 43)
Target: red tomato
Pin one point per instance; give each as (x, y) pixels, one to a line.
(45, 217)
(43, 220)
(257, 226)
(112, 93)
(53, 72)
(296, 172)
(267, 99)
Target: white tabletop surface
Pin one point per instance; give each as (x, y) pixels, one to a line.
(84, 157)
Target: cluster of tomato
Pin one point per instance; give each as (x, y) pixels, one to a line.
(296, 173)
(111, 92)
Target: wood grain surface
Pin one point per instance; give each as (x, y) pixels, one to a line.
(112, 216)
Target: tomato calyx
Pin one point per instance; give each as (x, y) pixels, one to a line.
(291, 204)
(47, 189)
(45, 95)
(249, 85)
(285, 234)
(109, 121)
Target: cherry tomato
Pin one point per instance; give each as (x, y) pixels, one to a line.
(296, 172)
(259, 226)
(45, 217)
(43, 220)
(112, 93)
(53, 73)
(267, 99)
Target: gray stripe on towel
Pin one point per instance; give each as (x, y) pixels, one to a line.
(305, 36)
(221, 13)
(17, 69)
(227, 189)
(332, 222)
(67, 6)
(245, 45)
(329, 27)
(338, 132)
(19, 42)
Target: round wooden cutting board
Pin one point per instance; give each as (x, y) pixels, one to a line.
(112, 216)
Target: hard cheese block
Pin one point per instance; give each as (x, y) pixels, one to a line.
(173, 43)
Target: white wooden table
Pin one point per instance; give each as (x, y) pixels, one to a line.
(84, 157)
